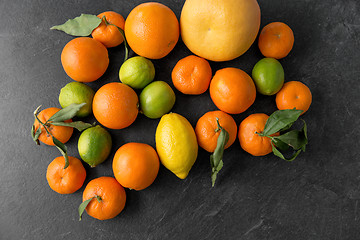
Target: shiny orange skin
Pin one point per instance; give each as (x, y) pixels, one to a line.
(84, 59)
(65, 181)
(115, 105)
(294, 94)
(192, 75)
(276, 40)
(152, 30)
(249, 140)
(136, 165)
(112, 194)
(61, 133)
(206, 127)
(232, 90)
(107, 34)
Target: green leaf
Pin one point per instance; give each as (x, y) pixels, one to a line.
(280, 145)
(66, 113)
(280, 155)
(84, 204)
(35, 134)
(80, 26)
(216, 161)
(279, 120)
(79, 125)
(63, 150)
(304, 129)
(294, 139)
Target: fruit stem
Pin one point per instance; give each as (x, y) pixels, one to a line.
(98, 198)
(219, 127)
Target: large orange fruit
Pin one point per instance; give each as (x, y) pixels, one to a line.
(232, 90)
(110, 198)
(61, 133)
(219, 30)
(136, 165)
(152, 30)
(115, 105)
(68, 180)
(84, 59)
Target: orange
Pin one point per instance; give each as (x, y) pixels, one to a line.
(294, 94)
(61, 133)
(108, 34)
(249, 140)
(276, 40)
(84, 59)
(192, 75)
(152, 30)
(115, 105)
(207, 133)
(111, 194)
(232, 90)
(136, 165)
(65, 181)
(219, 30)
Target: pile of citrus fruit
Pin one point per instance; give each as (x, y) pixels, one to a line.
(212, 30)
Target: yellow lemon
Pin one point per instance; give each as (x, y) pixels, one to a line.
(176, 144)
(219, 30)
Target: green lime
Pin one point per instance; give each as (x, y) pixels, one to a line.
(268, 75)
(157, 99)
(137, 72)
(94, 145)
(76, 92)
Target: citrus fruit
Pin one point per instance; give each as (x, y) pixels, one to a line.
(136, 165)
(276, 40)
(232, 90)
(192, 75)
(61, 133)
(207, 131)
(106, 33)
(76, 92)
(94, 145)
(152, 30)
(84, 59)
(137, 72)
(294, 94)
(68, 180)
(115, 105)
(219, 30)
(268, 75)
(108, 198)
(249, 140)
(156, 99)
(176, 144)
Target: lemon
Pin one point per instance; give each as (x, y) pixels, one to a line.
(94, 145)
(76, 92)
(176, 144)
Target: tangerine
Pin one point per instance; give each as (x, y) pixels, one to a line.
(115, 105)
(192, 75)
(250, 141)
(207, 132)
(61, 133)
(84, 59)
(232, 90)
(106, 33)
(136, 165)
(276, 40)
(294, 94)
(68, 180)
(108, 195)
(152, 30)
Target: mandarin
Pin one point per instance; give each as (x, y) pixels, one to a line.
(294, 94)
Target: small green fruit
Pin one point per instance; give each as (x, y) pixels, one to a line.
(268, 75)
(137, 72)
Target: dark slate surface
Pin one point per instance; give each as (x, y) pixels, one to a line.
(315, 197)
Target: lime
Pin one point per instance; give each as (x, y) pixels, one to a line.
(76, 92)
(157, 99)
(94, 145)
(268, 75)
(137, 72)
